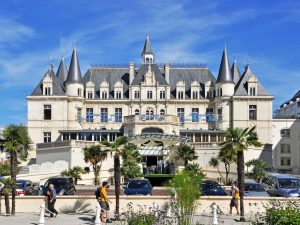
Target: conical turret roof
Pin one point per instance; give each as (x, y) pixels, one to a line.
(62, 72)
(236, 75)
(224, 75)
(147, 47)
(74, 75)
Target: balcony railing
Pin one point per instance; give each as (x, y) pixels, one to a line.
(151, 118)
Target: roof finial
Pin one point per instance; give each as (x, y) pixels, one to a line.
(51, 63)
(63, 54)
(74, 44)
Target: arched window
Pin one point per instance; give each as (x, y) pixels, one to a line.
(162, 112)
(137, 112)
(149, 114)
(147, 60)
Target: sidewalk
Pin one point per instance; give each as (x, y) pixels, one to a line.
(81, 219)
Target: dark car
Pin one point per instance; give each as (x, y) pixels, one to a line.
(209, 187)
(24, 187)
(282, 185)
(138, 187)
(62, 185)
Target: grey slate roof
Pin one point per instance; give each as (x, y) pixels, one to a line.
(139, 78)
(189, 75)
(58, 88)
(147, 47)
(224, 75)
(235, 72)
(294, 98)
(62, 72)
(111, 75)
(74, 75)
(241, 86)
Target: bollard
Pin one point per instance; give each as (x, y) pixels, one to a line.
(169, 211)
(215, 216)
(42, 215)
(97, 218)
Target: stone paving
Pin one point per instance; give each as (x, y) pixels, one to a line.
(82, 219)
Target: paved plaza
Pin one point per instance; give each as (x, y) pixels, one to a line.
(81, 219)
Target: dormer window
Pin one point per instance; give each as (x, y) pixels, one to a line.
(47, 91)
(180, 94)
(252, 91)
(90, 95)
(118, 95)
(252, 85)
(195, 95)
(104, 95)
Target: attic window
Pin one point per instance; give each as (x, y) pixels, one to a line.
(90, 95)
(47, 91)
(104, 95)
(79, 92)
(252, 91)
(180, 95)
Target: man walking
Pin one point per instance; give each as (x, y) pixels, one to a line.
(104, 203)
(235, 196)
(51, 200)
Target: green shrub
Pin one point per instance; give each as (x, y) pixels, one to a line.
(142, 219)
(280, 213)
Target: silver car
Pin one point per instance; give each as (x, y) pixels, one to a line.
(255, 189)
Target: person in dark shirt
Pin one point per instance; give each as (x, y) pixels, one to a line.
(51, 200)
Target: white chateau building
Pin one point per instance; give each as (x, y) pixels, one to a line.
(286, 136)
(67, 111)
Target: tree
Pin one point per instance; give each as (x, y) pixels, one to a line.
(131, 157)
(5, 191)
(17, 143)
(95, 155)
(186, 153)
(259, 169)
(74, 173)
(4, 169)
(239, 140)
(227, 156)
(116, 149)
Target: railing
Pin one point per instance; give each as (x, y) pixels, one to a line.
(151, 118)
(160, 65)
(204, 145)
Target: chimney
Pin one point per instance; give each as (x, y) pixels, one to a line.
(167, 72)
(131, 72)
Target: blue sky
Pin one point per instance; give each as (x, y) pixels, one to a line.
(264, 33)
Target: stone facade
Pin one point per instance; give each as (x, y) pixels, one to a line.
(148, 98)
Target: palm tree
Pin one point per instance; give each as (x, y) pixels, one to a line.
(259, 169)
(95, 155)
(131, 157)
(116, 149)
(239, 140)
(186, 153)
(74, 173)
(17, 143)
(5, 191)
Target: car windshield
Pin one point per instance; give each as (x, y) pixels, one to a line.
(20, 184)
(138, 184)
(58, 183)
(289, 183)
(211, 186)
(254, 187)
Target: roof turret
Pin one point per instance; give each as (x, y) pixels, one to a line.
(62, 72)
(74, 75)
(147, 47)
(236, 75)
(224, 75)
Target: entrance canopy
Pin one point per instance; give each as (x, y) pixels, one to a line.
(157, 141)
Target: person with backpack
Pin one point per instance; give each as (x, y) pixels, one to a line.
(101, 196)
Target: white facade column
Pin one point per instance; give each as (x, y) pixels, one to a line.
(194, 139)
(77, 136)
(108, 137)
(201, 137)
(209, 138)
(93, 137)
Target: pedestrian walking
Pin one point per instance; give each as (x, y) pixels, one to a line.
(104, 203)
(51, 200)
(235, 196)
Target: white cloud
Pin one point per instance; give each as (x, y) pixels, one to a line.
(12, 31)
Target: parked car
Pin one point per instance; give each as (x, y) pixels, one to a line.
(138, 187)
(255, 189)
(210, 187)
(24, 187)
(282, 185)
(62, 185)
